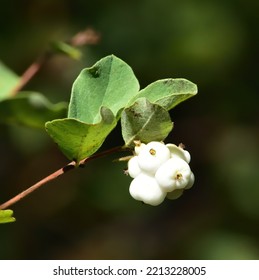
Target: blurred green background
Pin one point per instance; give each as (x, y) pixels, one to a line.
(88, 213)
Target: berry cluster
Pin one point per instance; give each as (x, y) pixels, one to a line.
(159, 171)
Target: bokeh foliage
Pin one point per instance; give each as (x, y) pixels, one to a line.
(89, 213)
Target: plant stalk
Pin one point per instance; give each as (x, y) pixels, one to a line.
(55, 175)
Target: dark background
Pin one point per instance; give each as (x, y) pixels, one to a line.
(88, 213)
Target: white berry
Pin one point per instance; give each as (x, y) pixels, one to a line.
(173, 174)
(133, 167)
(191, 182)
(145, 188)
(152, 156)
(177, 151)
(138, 147)
(159, 171)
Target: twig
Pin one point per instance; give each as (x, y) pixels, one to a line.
(55, 175)
(30, 72)
(86, 37)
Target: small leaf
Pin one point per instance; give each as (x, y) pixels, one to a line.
(145, 121)
(8, 81)
(6, 216)
(64, 48)
(77, 139)
(30, 109)
(110, 83)
(168, 92)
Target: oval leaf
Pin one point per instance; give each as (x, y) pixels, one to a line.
(78, 140)
(169, 92)
(6, 216)
(110, 83)
(146, 122)
(30, 109)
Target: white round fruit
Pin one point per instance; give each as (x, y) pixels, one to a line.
(191, 182)
(145, 188)
(138, 147)
(152, 156)
(133, 167)
(177, 151)
(173, 174)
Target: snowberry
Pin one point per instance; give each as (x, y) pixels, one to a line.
(138, 146)
(145, 188)
(133, 167)
(191, 182)
(159, 171)
(178, 151)
(152, 155)
(173, 174)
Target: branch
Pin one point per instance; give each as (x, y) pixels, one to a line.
(55, 175)
(30, 72)
(86, 37)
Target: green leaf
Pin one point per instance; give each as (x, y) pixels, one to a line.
(30, 109)
(66, 49)
(77, 139)
(110, 83)
(145, 121)
(6, 216)
(8, 81)
(168, 92)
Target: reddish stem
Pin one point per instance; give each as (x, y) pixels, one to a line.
(30, 72)
(55, 175)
